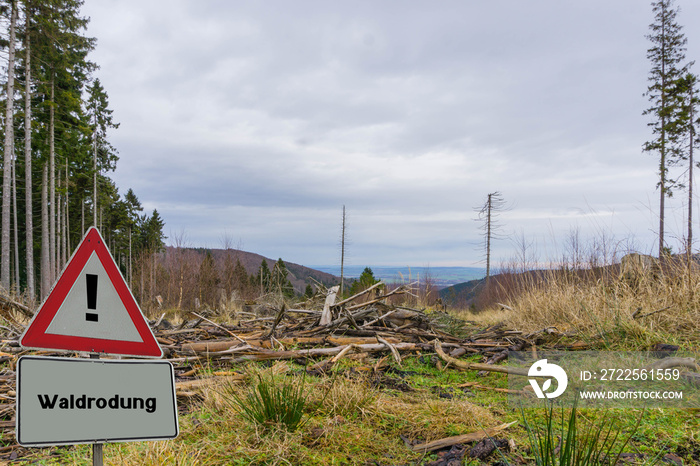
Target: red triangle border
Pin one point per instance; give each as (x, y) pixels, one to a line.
(35, 335)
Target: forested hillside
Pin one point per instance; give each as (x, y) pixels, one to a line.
(190, 278)
(56, 155)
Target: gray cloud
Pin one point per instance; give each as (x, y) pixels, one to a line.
(260, 119)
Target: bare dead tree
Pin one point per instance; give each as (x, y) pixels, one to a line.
(488, 216)
(342, 250)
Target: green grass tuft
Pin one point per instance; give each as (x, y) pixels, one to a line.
(271, 402)
(566, 443)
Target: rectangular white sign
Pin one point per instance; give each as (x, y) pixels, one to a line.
(67, 400)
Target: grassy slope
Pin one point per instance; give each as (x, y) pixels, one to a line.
(358, 418)
(351, 421)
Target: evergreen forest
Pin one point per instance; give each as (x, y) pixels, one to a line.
(56, 156)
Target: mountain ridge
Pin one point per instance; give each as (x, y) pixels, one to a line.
(299, 275)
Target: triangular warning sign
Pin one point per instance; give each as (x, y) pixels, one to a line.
(91, 308)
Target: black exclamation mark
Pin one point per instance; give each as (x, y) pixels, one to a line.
(91, 281)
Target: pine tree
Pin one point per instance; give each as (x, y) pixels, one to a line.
(50, 57)
(133, 206)
(263, 278)
(309, 291)
(152, 237)
(62, 68)
(688, 103)
(280, 281)
(366, 280)
(208, 282)
(8, 152)
(240, 279)
(28, 199)
(100, 117)
(666, 55)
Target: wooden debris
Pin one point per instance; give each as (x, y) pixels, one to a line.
(7, 303)
(668, 363)
(219, 326)
(500, 390)
(189, 385)
(394, 351)
(487, 446)
(637, 314)
(326, 315)
(476, 366)
(319, 333)
(466, 438)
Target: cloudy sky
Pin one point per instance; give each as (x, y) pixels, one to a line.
(253, 122)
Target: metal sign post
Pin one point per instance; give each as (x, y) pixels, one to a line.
(97, 454)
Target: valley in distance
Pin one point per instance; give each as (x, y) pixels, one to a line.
(441, 277)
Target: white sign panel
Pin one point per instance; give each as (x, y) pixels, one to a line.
(67, 400)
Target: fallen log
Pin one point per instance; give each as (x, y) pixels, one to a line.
(668, 363)
(400, 290)
(315, 352)
(475, 366)
(305, 311)
(350, 317)
(353, 297)
(213, 346)
(189, 385)
(6, 301)
(220, 327)
(457, 439)
(495, 389)
(394, 351)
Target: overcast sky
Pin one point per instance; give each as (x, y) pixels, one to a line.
(256, 121)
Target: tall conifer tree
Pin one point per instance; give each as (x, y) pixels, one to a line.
(28, 199)
(8, 153)
(103, 153)
(45, 50)
(666, 55)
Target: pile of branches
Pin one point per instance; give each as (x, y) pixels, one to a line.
(322, 330)
(321, 326)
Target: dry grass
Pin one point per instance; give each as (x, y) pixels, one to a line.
(345, 398)
(420, 416)
(349, 422)
(651, 306)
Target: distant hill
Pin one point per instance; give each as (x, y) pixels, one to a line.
(299, 275)
(440, 277)
(508, 284)
(462, 295)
